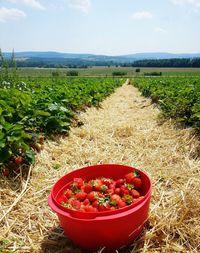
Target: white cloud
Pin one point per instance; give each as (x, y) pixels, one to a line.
(194, 3)
(34, 4)
(160, 30)
(142, 15)
(82, 5)
(11, 14)
(31, 3)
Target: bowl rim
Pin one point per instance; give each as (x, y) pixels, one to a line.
(75, 213)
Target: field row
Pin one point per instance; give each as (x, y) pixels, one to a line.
(107, 71)
(179, 98)
(29, 110)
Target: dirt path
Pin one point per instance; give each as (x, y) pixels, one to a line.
(124, 130)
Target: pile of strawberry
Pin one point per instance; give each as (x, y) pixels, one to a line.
(102, 194)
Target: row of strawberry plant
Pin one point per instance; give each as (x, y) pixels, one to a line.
(177, 97)
(40, 107)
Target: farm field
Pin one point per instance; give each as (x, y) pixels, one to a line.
(125, 129)
(107, 71)
(32, 110)
(178, 98)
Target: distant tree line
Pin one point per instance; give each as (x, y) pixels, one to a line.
(79, 63)
(166, 63)
(61, 63)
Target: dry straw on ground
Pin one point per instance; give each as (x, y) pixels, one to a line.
(124, 130)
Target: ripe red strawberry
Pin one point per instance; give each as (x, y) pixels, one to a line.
(68, 193)
(129, 176)
(92, 196)
(124, 190)
(137, 182)
(110, 191)
(78, 181)
(6, 172)
(87, 188)
(114, 199)
(81, 195)
(76, 204)
(95, 203)
(119, 182)
(103, 203)
(62, 199)
(135, 193)
(103, 207)
(90, 209)
(122, 203)
(117, 191)
(97, 184)
(112, 185)
(101, 195)
(18, 160)
(107, 181)
(86, 202)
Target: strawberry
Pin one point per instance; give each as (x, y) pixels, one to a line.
(90, 209)
(95, 203)
(124, 190)
(114, 199)
(107, 181)
(81, 195)
(97, 184)
(112, 185)
(6, 172)
(134, 178)
(76, 204)
(92, 196)
(78, 181)
(128, 199)
(104, 207)
(86, 202)
(66, 204)
(110, 191)
(101, 195)
(103, 203)
(119, 182)
(137, 182)
(121, 204)
(129, 176)
(68, 193)
(87, 188)
(135, 194)
(62, 199)
(18, 160)
(117, 191)
(104, 188)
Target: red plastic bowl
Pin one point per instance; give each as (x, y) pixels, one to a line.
(111, 229)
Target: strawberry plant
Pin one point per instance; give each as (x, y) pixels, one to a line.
(178, 98)
(36, 108)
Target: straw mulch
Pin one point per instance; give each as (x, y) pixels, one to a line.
(125, 130)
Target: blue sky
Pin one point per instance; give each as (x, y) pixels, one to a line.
(112, 27)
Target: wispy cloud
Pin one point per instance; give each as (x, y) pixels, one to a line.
(140, 15)
(160, 30)
(34, 4)
(11, 14)
(82, 5)
(31, 3)
(193, 3)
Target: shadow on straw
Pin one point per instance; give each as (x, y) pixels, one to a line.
(56, 242)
